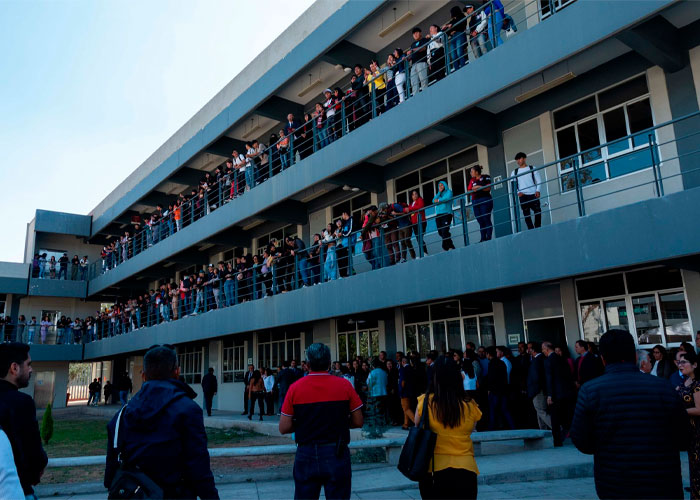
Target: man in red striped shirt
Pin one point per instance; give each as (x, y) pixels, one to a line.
(321, 409)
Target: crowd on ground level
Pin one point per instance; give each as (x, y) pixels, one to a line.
(51, 268)
(372, 91)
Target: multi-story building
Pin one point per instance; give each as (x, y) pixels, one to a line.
(602, 96)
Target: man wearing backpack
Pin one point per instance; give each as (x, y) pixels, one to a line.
(528, 183)
(160, 421)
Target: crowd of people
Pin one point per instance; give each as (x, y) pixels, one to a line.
(372, 90)
(50, 268)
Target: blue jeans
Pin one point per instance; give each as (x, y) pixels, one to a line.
(198, 302)
(496, 19)
(249, 181)
(228, 293)
(317, 466)
(322, 136)
(303, 270)
(64, 271)
(457, 47)
(330, 266)
(123, 397)
(498, 411)
(284, 158)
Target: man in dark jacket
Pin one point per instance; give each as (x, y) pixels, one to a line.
(497, 385)
(18, 414)
(559, 391)
(614, 421)
(162, 432)
(536, 386)
(285, 379)
(587, 365)
(209, 388)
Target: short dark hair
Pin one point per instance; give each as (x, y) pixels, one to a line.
(319, 356)
(582, 343)
(432, 355)
(416, 30)
(491, 350)
(536, 347)
(617, 346)
(520, 155)
(159, 363)
(12, 352)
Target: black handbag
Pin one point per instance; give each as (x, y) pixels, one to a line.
(129, 482)
(418, 449)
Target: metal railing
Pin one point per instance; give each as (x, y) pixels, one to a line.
(394, 233)
(371, 93)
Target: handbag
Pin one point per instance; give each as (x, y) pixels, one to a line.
(130, 482)
(418, 449)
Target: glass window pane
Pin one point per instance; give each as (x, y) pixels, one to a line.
(628, 163)
(352, 345)
(411, 339)
(588, 137)
(623, 92)
(616, 314)
(424, 339)
(575, 112)
(471, 331)
(362, 200)
(434, 171)
(428, 193)
(342, 347)
(407, 181)
(416, 314)
(439, 337)
(340, 208)
(374, 342)
(444, 310)
(402, 197)
(602, 286)
(639, 116)
(364, 344)
(472, 307)
(615, 128)
(457, 183)
(487, 330)
(657, 278)
(675, 316)
(463, 159)
(591, 321)
(454, 335)
(297, 349)
(646, 319)
(566, 141)
(590, 174)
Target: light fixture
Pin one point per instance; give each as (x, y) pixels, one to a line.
(355, 189)
(347, 70)
(545, 87)
(346, 188)
(312, 84)
(405, 16)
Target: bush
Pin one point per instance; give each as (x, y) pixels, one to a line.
(47, 425)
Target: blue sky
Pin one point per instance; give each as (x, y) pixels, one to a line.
(89, 89)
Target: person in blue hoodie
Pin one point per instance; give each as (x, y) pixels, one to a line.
(162, 432)
(443, 214)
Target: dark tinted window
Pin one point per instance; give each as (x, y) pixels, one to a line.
(575, 112)
(444, 310)
(435, 170)
(603, 286)
(566, 140)
(639, 115)
(647, 280)
(463, 159)
(622, 93)
(416, 314)
(407, 181)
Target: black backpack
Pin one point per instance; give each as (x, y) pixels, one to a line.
(130, 482)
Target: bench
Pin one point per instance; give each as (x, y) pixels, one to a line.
(533, 439)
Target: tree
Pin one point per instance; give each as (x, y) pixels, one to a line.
(47, 425)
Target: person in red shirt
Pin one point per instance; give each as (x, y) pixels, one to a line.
(415, 208)
(320, 409)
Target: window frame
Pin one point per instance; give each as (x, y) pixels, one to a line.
(235, 350)
(188, 358)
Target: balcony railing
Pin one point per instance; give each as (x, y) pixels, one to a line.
(395, 233)
(370, 93)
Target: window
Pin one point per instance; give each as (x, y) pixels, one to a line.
(191, 360)
(354, 206)
(454, 170)
(441, 327)
(605, 117)
(276, 236)
(233, 367)
(276, 347)
(547, 6)
(357, 337)
(648, 303)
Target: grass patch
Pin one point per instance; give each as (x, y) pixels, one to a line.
(221, 438)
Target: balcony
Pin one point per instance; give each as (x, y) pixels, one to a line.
(427, 110)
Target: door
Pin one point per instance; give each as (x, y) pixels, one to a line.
(548, 329)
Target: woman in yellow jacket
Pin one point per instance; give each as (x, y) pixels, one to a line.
(452, 415)
(374, 77)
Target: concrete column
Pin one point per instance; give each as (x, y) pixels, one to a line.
(684, 100)
(501, 204)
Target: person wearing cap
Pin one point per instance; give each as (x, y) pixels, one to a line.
(417, 55)
(476, 26)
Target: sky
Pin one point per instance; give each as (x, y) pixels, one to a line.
(89, 89)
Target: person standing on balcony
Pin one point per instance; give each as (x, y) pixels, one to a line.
(84, 263)
(63, 266)
(495, 13)
(476, 27)
(482, 203)
(399, 68)
(329, 105)
(455, 28)
(75, 267)
(436, 53)
(320, 409)
(417, 55)
(443, 215)
(528, 182)
(360, 99)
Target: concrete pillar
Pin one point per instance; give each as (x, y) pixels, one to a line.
(501, 204)
(684, 101)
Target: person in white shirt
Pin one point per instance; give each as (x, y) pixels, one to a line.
(10, 486)
(239, 165)
(436, 53)
(269, 382)
(528, 183)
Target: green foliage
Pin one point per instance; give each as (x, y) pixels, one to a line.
(47, 425)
